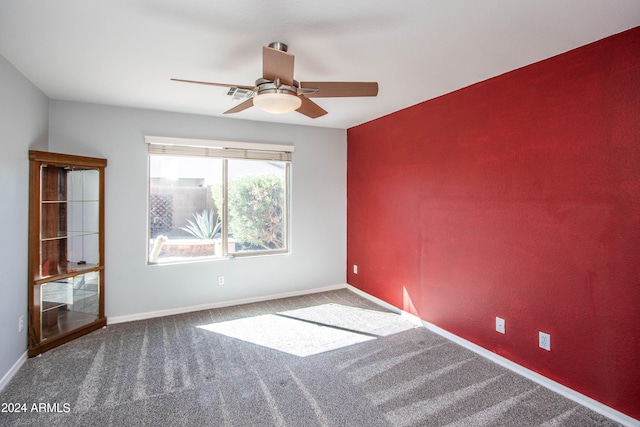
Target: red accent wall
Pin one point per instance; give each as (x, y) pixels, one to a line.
(517, 197)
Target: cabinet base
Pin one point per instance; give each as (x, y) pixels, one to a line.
(46, 345)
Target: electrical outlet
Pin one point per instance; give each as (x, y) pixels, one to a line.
(500, 325)
(220, 280)
(355, 268)
(544, 341)
(21, 324)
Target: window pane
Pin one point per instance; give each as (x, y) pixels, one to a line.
(184, 221)
(257, 205)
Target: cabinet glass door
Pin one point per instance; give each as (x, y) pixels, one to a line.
(69, 219)
(69, 303)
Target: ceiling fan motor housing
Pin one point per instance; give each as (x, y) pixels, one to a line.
(267, 86)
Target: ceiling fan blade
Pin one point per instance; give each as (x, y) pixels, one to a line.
(240, 107)
(215, 84)
(310, 108)
(341, 89)
(277, 64)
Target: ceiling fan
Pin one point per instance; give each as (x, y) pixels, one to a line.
(277, 92)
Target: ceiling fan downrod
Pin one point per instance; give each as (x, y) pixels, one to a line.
(279, 46)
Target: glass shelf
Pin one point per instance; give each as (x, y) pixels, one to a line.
(54, 202)
(62, 269)
(69, 235)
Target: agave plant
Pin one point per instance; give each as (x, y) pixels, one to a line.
(207, 224)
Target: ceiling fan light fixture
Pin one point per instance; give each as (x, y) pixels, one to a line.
(277, 103)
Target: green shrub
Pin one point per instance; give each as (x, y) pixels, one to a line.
(256, 211)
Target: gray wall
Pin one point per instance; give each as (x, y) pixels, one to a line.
(23, 126)
(318, 218)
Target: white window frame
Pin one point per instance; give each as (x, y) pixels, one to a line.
(225, 150)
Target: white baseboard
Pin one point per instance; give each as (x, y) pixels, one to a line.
(13, 371)
(181, 310)
(378, 301)
(554, 386)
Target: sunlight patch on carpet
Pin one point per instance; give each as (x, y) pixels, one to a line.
(312, 330)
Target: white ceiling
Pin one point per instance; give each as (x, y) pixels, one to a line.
(123, 52)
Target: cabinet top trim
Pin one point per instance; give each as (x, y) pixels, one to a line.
(66, 159)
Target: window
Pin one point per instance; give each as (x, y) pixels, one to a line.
(212, 199)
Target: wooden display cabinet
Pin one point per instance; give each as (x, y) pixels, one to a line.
(66, 248)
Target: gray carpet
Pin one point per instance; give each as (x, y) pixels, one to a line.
(329, 359)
